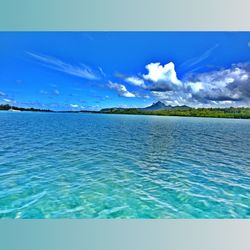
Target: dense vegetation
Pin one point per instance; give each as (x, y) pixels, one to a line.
(241, 113)
(8, 107)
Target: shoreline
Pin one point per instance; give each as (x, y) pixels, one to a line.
(131, 114)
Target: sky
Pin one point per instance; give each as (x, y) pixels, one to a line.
(95, 70)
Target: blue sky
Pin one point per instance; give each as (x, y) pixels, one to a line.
(94, 70)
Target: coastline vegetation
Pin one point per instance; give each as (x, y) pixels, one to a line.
(232, 112)
(239, 113)
(8, 107)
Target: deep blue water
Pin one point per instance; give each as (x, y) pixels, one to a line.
(56, 165)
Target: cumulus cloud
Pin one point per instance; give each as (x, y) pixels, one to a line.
(162, 77)
(221, 87)
(232, 84)
(81, 70)
(121, 89)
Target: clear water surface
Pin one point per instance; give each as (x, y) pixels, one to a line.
(55, 165)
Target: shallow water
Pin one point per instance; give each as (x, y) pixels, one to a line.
(56, 165)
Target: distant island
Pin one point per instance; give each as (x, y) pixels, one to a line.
(157, 108)
(161, 109)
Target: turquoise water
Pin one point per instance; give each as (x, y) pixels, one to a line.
(56, 165)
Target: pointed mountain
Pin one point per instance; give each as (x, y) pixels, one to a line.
(157, 106)
(161, 106)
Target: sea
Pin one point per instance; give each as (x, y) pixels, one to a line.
(79, 165)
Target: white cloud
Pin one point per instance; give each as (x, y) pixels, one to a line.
(230, 84)
(195, 86)
(6, 100)
(157, 72)
(136, 81)
(82, 70)
(74, 105)
(121, 89)
(2, 93)
(222, 87)
(174, 98)
(164, 78)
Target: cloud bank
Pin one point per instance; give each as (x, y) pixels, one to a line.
(222, 87)
(225, 86)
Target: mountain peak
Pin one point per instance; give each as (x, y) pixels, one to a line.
(158, 103)
(156, 106)
(162, 106)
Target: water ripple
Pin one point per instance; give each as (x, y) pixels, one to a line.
(119, 166)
